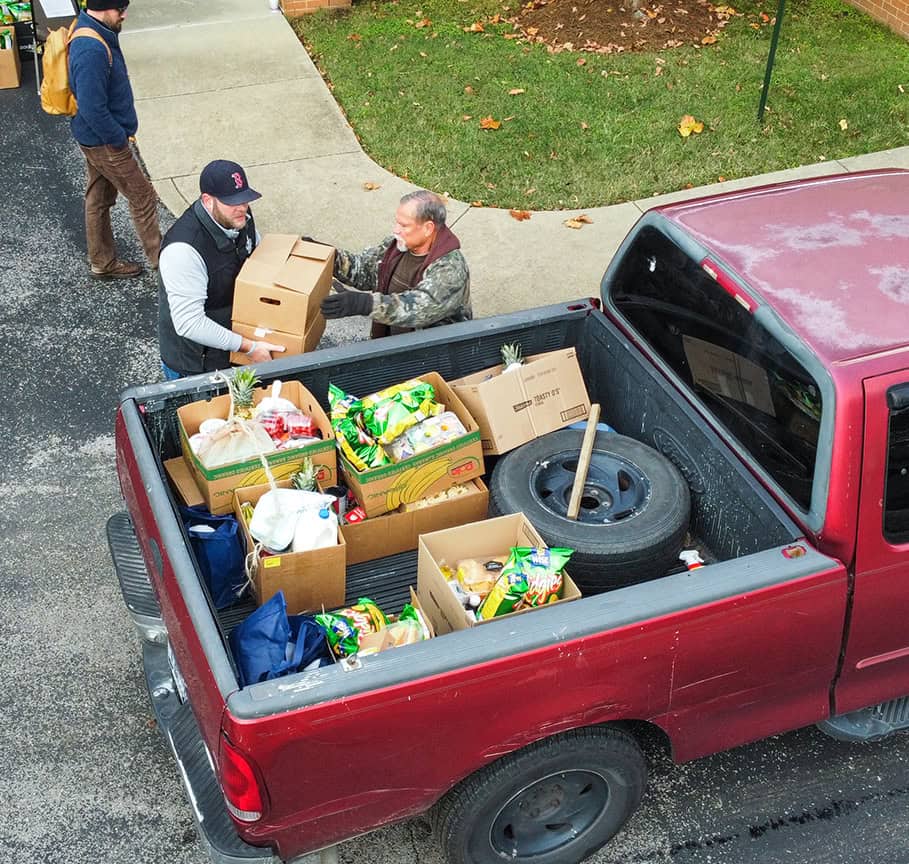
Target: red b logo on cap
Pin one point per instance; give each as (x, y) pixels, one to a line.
(238, 180)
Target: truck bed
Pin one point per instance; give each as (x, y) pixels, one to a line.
(733, 519)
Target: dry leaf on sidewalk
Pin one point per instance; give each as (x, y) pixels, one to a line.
(520, 215)
(578, 221)
(371, 187)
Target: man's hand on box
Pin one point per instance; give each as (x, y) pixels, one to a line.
(262, 351)
(347, 302)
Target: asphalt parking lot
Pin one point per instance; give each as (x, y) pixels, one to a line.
(87, 776)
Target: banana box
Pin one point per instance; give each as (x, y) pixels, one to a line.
(217, 484)
(381, 490)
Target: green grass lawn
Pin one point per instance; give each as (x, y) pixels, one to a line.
(605, 131)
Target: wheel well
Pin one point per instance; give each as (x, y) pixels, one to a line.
(652, 739)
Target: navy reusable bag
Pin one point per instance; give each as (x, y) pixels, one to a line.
(220, 552)
(269, 644)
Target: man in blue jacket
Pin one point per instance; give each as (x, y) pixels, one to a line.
(103, 126)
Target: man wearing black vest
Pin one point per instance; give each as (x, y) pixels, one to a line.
(201, 256)
(414, 279)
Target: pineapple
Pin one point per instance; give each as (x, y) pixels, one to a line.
(242, 384)
(512, 357)
(305, 478)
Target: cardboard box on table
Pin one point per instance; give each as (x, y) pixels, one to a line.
(380, 490)
(311, 581)
(282, 284)
(10, 68)
(545, 394)
(400, 532)
(478, 540)
(293, 343)
(218, 483)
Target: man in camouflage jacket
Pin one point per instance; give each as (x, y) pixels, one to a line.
(414, 279)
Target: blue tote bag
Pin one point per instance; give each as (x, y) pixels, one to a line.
(219, 549)
(269, 644)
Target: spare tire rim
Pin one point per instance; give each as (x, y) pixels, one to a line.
(549, 814)
(615, 490)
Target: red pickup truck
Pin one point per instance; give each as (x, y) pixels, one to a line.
(758, 340)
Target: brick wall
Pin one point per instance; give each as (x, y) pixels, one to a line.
(292, 8)
(893, 13)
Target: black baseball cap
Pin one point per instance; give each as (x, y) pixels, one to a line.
(226, 181)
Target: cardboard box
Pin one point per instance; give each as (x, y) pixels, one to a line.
(311, 581)
(217, 484)
(478, 540)
(545, 394)
(400, 532)
(181, 478)
(282, 284)
(380, 490)
(292, 342)
(372, 643)
(10, 69)
(728, 374)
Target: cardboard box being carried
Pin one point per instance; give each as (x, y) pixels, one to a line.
(292, 342)
(479, 540)
(282, 284)
(10, 69)
(311, 581)
(217, 484)
(380, 490)
(400, 532)
(545, 394)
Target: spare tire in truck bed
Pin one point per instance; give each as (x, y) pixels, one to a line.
(634, 508)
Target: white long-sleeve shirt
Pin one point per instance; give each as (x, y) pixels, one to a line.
(185, 279)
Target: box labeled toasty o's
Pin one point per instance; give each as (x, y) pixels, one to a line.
(216, 484)
(380, 490)
(544, 394)
(480, 540)
(282, 284)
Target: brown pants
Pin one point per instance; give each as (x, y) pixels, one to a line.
(110, 172)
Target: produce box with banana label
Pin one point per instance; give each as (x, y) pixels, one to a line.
(404, 443)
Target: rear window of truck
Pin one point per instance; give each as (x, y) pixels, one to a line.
(749, 381)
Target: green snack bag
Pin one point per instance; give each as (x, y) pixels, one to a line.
(531, 576)
(355, 445)
(392, 411)
(342, 636)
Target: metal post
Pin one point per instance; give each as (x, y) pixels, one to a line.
(773, 41)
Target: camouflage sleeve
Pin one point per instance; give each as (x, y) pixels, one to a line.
(360, 269)
(443, 294)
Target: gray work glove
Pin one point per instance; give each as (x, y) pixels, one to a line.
(347, 302)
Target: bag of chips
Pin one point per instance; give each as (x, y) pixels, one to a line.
(531, 577)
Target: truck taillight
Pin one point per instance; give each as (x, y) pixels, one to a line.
(238, 780)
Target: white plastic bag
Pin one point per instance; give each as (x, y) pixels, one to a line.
(274, 521)
(274, 404)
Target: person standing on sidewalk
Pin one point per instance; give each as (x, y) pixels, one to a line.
(201, 255)
(103, 126)
(414, 279)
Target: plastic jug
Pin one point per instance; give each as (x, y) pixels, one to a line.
(316, 529)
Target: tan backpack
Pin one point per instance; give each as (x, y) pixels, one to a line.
(56, 96)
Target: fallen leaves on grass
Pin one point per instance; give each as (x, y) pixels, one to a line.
(708, 40)
(516, 91)
(520, 215)
(354, 37)
(844, 124)
(578, 221)
(423, 22)
(688, 125)
(490, 123)
(476, 27)
(476, 203)
(371, 187)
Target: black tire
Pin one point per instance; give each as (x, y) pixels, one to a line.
(614, 546)
(554, 802)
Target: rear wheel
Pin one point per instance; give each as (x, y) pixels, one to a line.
(554, 802)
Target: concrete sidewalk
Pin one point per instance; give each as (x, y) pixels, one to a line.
(230, 79)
